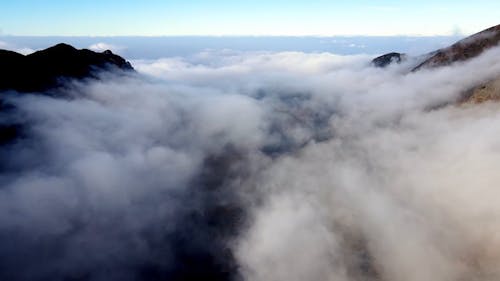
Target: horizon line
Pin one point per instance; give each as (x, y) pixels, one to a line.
(240, 35)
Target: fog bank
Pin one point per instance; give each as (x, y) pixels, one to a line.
(231, 165)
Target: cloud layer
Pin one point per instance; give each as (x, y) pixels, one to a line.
(255, 166)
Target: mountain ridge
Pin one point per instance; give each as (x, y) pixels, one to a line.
(465, 49)
(48, 68)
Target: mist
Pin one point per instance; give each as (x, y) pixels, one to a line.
(251, 165)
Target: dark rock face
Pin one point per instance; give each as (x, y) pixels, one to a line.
(48, 68)
(387, 59)
(463, 50)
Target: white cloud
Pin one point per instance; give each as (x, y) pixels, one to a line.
(101, 47)
(342, 172)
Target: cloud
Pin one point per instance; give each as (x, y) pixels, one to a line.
(101, 47)
(397, 193)
(255, 166)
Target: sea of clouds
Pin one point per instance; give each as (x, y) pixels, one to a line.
(145, 47)
(258, 166)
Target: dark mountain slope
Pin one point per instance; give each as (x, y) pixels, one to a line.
(48, 68)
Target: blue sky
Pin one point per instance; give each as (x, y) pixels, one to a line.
(245, 17)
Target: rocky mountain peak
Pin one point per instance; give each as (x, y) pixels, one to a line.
(46, 69)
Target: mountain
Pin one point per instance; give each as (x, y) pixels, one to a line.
(385, 60)
(49, 68)
(463, 50)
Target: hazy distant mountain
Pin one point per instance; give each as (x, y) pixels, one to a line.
(48, 68)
